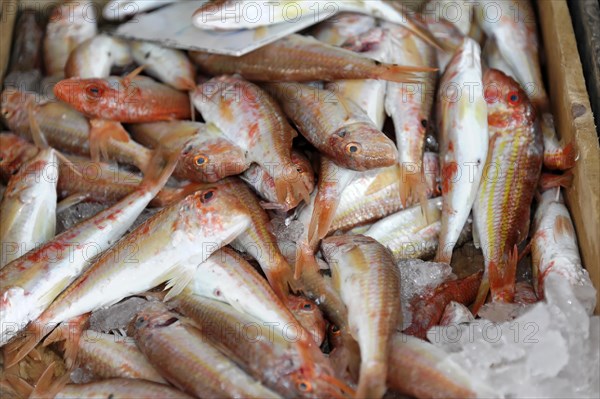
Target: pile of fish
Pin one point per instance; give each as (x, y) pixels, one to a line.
(265, 211)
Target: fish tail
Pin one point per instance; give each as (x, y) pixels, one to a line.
(47, 385)
(321, 220)
(19, 347)
(550, 180)
(305, 261)
(371, 383)
(482, 293)
(101, 133)
(288, 183)
(69, 332)
(161, 166)
(402, 74)
(561, 158)
(502, 278)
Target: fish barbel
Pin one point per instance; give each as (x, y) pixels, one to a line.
(32, 282)
(185, 358)
(364, 273)
(69, 25)
(464, 137)
(517, 41)
(264, 185)
(120, 388)
(207, 156)
(554, 248)
(65, 129)
(168, 65)
(249, 117)
(410, 106)
(501, 210)
(154, 253)
(114, 356)
(132, 99)
(269, 355)
(28, 208)
(95, 57)
(306, 59)
(336, 126)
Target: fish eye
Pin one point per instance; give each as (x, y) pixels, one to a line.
(200, 160)
(513, 98)
(353, 148)
(207, 196)
(335, 330)
(342, 132)
(1, 159)
(424, 123)
(307, 306)
(139, 322)
(304, 386)
(94, 91)
(299, 169)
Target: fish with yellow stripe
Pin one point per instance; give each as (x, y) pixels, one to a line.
(501, 210)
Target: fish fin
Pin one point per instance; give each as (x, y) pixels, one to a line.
(47, 386)
(563, 227)
(345, 391)
(19, 347)
(502, 278)
(475, 233)
(305, 260)
(550, 180)
(482, 294)
(101, 132)
(371, 381)
(272, 206)
(180, 276)
(161, 166)
(19, 385)
(561, 158)
(36, 131)
(287, 181)
(70, 332)
(403, 74)
(525, 251)
(70, 201)
(383, 180)
(321, 219)
(127, 78)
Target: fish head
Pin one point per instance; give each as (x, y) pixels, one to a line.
(91, 96)
(309, 315)
(304, 168)
(318, 382)
(14, 152)
(212, 158)
(153, 314)
(361, 146)
(508, 104)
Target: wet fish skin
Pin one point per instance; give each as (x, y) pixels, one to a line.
(114, 356)
(120, 388)
(168, 65)
(368, 280)
(94, 57)
(14, 152)
(184, 356)
(337, 127)
(336, 31)
(464, 142)
(307, 59)
(28, 208)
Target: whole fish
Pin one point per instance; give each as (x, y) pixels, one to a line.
(428, 309)
(154, 253)
(413, 360)
(364, 273)
(554, 249)
(29, 285)
(68, 130)
(69, 25)
(249, 117)
(113, 356)
(226, 14)
(306, 59)
(409, 106)
(463, 130)
(14, 152)
(264, 185)
(132, 99)
(336, 31)
(95, 57)
(28, 208)
(227, 277)
(24, 71)
(120, 388)
(337, 127)
(501, 210)
(207, 156)
(404, 232)
(168, 65)
(515, 35)
(185, 358)
(269, 355)
(259, 241)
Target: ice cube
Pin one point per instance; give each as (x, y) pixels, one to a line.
(75, 214)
